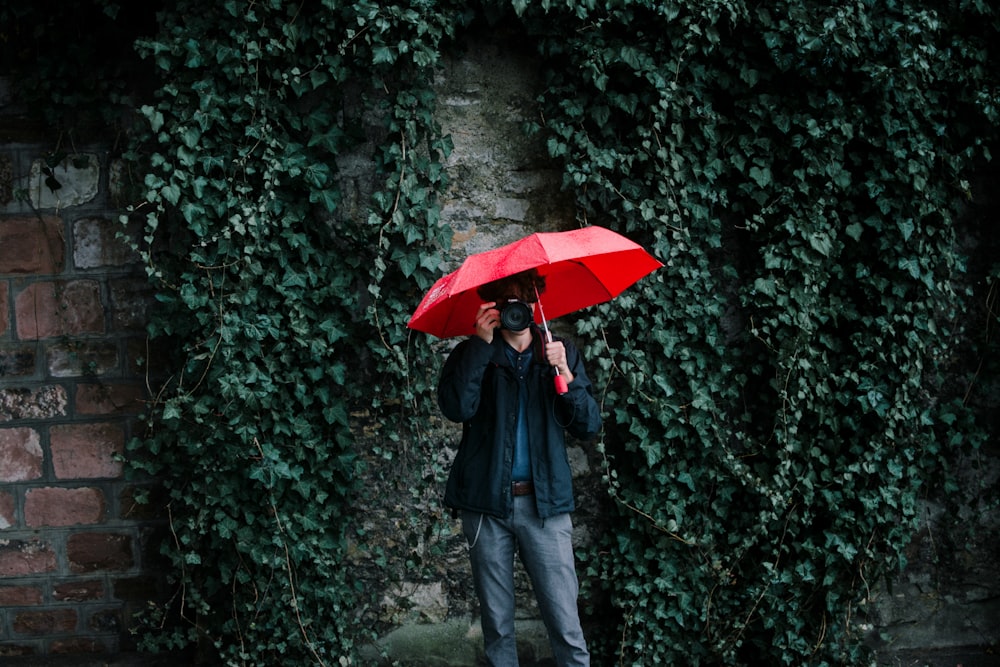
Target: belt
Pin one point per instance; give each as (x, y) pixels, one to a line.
(523, 488)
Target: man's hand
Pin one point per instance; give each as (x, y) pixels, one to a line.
(555, 353)
(487, 320)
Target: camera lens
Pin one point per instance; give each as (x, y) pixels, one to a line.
(515, 316)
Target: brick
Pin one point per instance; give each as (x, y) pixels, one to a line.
(109, 399)
(4, 307)
(16, 650)
(92, 359)
(130, 301)
(106, 620)
(54, 506)
(19, 558)
(32, 246)
(93, 552)
(47, 622)
(20, 596)
(20, 454)
(32, 402)
(77, 646)
(6, 163)
(7, 510)
(96, 244)
(16, 360)
(78, 591)
(58, 308)
(87, 451)
(78, 175)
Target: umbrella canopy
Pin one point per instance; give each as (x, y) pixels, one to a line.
(582, 267)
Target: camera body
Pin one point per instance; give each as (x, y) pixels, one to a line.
(515, 315)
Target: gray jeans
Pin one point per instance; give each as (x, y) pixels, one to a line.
(546, 550)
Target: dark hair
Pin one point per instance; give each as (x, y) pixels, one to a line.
(521, 286)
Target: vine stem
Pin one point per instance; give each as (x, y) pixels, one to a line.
(612, 486)
(766, 586)
(381, 236)
(291, 571)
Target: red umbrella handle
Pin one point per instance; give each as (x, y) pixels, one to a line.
(561, 387)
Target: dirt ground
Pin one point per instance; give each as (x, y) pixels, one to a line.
(972, 656)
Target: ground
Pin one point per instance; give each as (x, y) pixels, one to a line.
(970, 656)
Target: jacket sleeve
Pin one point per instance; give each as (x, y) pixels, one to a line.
(580, 411)
(460, 385)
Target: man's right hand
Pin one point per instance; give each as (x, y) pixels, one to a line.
(487, 320)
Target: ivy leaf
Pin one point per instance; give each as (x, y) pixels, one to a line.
(761, 175)
(382, 55)
(329, 198)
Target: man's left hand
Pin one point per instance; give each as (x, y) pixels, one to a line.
(555, 353)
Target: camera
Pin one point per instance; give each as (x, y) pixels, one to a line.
(515, 315)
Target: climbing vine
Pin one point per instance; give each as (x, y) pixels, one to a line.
(779, 398)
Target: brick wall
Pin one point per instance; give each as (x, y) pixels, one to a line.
(73, 544)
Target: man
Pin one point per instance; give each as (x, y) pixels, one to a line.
(511, 479)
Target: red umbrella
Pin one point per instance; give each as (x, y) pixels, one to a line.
(582, 268)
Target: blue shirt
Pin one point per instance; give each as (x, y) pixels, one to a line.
(521, 361)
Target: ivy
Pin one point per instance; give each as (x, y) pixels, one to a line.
(282, 302)
(780, 391)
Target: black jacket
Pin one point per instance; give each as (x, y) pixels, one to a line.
(479, 388)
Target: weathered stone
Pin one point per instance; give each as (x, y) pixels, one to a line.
(45, 622)
(130, 301)
(78, 591)
(502, 185)
(20, 454)
(32, 402)
(90, 358)
(106, 620)
(32, 245)
(20, 558)
(4, 315)
(78, 646)
(56, 506)
(7, 510)
(16, 360)
(456, 643)
(91, 552)
(19, 649)
(578, 463)
(414, 601)
(949, 594)
(20, 596)
(59, 308)
(87, 451)
(510, 208)
(96, 244)
(6, 164)
(109, 399)
(71, 182)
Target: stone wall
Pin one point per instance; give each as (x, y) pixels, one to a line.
(72, 366)
(502, 186)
